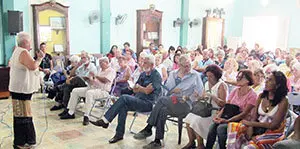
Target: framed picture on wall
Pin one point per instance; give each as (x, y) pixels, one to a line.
(57, 22)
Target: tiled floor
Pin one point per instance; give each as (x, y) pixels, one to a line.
(71, 134)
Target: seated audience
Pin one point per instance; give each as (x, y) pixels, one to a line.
(285, 67)
(127, 48)
(220, 58)
(166, 61)
(112, 52)
(230, 72)
(254, 65)
(182, 83)
(99, 86)
(83, 69)
(294, 141)
(162, 70)
(259, 81)
(279, 56)
(268, 122)
(146, 90)
(123, 75)
(295, 78)
(203, 64)
(176, 61)
(217, 91)
(171, 53)
(130, 61)
(245, 98)
(136, 74)
(114, 61)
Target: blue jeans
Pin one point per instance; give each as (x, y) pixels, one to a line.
(215, 130)
(121, 106)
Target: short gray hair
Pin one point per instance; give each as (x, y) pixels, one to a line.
(23, 36)
(105, 59)
(151, 58)
(183, 58)
(74, 59)
(143, 54)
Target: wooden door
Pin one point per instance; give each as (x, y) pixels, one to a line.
(148, 28)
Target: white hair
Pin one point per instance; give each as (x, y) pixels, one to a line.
(151, 58)
(105, 59)
(183, 58)
(74, 59)
(23, 36)
(270, 68)
(143, 54)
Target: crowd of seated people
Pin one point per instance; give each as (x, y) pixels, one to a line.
(243, 80)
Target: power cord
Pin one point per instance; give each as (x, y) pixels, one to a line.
(45, 113)
(3, 113)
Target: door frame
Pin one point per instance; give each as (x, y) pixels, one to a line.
(50, 6)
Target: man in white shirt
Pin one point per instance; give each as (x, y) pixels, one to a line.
(99, 87)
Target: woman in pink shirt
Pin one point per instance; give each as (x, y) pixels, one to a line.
(245, 98)
(176, 61)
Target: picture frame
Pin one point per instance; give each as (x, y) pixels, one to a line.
(57, 22)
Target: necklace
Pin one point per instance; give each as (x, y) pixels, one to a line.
(269, 105)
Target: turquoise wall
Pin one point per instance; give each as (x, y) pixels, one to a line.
(9, 41)
(247, 8)
(23, 5)
(83, 35)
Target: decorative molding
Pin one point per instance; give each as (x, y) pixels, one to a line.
(36, 8)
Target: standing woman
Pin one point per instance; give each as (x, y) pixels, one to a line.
(23, 82)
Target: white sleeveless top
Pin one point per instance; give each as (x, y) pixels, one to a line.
(22, 80)
(214, 90)
(266, 117)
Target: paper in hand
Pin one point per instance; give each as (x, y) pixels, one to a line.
(130, 83)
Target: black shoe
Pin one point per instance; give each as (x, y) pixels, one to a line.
(115, 139)
(54, 108)
(142, 135)
(67, 116)
(85, 120)
(100, 123)
(63, 113)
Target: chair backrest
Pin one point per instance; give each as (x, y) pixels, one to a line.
(294, 98)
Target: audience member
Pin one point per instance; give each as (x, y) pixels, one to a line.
(245, 98)
(268, 123)
(216, 90)
(99, 85)
(123, 75)
(162, 70)
(183, 81)
(146, 90)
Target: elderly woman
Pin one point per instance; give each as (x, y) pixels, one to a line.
(216, 90)
(254, 65)
(259, 81)
(160, 67)
(220, 58)
(130, 61)
(23, 82)
(245, 98)
(268, 123)
(123, 75)
(295, 78)
(230, 72)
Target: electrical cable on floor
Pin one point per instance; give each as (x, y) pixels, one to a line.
(2, 122)
(45, 113)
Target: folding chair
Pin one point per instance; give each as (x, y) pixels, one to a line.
(108, 102)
